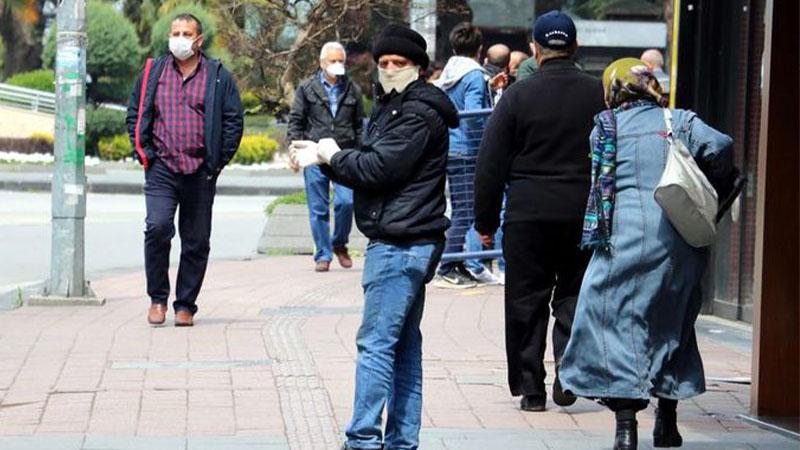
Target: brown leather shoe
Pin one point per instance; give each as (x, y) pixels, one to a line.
(183, 318)
(157, 314)
(322, 266)
(343, 257)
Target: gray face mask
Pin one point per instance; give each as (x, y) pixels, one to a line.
(397, 80)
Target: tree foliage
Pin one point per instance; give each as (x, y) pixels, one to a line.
(113, 55)
(275, 43)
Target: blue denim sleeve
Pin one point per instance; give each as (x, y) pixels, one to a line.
(713, 151)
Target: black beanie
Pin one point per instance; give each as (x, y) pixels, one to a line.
(400, 40)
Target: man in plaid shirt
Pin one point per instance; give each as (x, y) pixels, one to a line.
(185, 121)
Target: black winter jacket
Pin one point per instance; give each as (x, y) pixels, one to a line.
(536, 145)
(310, 118)
(223, 123)
(398, 173)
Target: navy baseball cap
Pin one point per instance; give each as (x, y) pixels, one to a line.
(554, 30)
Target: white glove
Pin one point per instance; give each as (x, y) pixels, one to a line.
(326, 149)
(303, 153)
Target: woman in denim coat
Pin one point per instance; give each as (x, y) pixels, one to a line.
(633, 337)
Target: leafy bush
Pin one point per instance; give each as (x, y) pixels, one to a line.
(46, 137)
(159, 38)
(251, 102)
(114, 54)
(102, 123)
(26, 145)
(115, 148)
(41, 80)
(254, 149)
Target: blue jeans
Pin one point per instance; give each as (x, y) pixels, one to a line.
(389, 342)
(319, 214)
(473, 244)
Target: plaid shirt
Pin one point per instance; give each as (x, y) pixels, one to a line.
(333, 90)
(179, 111)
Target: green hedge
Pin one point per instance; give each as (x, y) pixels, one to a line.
(41, 80)
(103, 123)
(254, 149)
(115, 148)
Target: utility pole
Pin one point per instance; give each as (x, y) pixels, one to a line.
(67, 284)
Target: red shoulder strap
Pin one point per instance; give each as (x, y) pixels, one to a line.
(142, 93)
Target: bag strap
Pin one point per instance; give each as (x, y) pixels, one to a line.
(668, 123)
(142, 93)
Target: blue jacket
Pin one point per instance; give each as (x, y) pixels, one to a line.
(468, 90)
(223, 121)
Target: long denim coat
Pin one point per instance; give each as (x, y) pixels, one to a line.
(633, 334)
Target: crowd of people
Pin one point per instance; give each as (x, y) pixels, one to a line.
(561, 175)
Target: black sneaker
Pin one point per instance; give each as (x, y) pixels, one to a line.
(454, 279)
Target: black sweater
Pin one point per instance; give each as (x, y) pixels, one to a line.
(537, 143)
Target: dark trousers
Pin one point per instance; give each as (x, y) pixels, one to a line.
(193, 197)
(544, 265)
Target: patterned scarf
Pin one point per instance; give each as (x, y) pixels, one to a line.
(628, 83)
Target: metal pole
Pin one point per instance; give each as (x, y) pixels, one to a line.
(67, 283)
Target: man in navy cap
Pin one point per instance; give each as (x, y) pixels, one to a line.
(537, 144)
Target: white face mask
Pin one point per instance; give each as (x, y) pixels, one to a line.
(335, 69)
(397, 80)
(181, 47)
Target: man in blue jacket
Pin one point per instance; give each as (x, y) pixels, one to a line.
(185, 122)
(466, 83)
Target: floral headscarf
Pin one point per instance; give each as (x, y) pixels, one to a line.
(629, 79)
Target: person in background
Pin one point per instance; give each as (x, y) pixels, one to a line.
(633, 337)
(515, 60)
(655, 62)
(535, 148)
(496, 66)
(529, 66)
(398, 176)
(465, 82)
(328, 105)
(185, 121)
(434, 72)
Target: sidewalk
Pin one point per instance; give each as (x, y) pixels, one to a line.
(270, 363)
(119, 178)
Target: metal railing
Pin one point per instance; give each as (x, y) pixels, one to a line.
(30, 99)
(461, 179)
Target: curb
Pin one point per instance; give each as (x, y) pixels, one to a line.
(127, 188)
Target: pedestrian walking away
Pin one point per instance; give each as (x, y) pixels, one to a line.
(328, 105)
(398, 177)
(185, 122)
(465, 82)
(535, 148)
(633, 337)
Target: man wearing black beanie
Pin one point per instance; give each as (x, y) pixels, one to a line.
(398, 177)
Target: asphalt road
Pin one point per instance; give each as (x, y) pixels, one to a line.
(114, 233)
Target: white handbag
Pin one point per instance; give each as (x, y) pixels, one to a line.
(684, 193)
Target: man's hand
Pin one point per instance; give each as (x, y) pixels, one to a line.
(486, 239)
(302, 154)
(499, 81)
(326, 149)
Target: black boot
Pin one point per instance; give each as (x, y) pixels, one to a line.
(665, 431)
(627, 436)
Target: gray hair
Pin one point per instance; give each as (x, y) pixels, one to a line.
(653, 57)
(331, 46)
